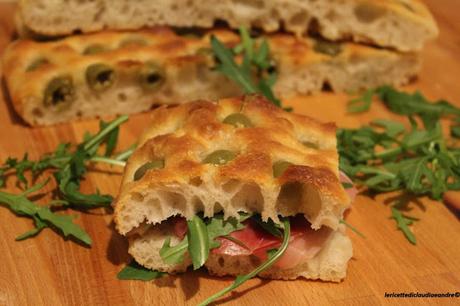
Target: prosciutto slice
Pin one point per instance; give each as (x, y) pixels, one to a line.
(304, 243)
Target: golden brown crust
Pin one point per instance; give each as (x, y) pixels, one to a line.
(188, 133)
(175, 54)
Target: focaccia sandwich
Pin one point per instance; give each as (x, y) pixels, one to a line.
(235, 167)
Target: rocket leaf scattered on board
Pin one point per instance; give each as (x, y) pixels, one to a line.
(386, 156)
(134, 271)
(42, 215)
(68, 164)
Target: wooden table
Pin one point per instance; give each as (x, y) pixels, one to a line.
(47, 270)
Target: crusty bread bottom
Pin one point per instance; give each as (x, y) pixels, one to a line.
(330, 264)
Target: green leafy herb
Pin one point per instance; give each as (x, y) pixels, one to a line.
(134, 271)
(173, 255)
(68, 165)
(269, 226)
(388, 157)
(347, 185)
(255, 74)
(362, 103)
(403, 221)
(42, 216)
(198, 246)
(406, 104)
(272, 258)
(417, 161)
(218, 227)
(214, 227)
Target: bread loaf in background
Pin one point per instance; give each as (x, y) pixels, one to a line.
(404, 25)
(109, 73)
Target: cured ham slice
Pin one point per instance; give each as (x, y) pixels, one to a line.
(304, 243)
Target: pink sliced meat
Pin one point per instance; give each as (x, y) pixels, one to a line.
(304, 243)
(352, 191)
(179, 226)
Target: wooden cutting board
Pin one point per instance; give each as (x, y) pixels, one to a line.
(47, 270)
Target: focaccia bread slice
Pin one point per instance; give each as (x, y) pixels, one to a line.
(111, 73)
(236, 155)
(401, 24)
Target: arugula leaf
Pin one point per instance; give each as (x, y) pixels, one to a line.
(173, 255)
(240, 279)
(218, 227)
(388, 157)
(68, 165)
(229, 67)
(254, 74)
(347, 185)
(198, 246)
(415, 161)
(362, 103)
(405, 104)
(39, 225)
(134, 271)
(269, 226)
(215, 227)
(403, 223)
(42, 216)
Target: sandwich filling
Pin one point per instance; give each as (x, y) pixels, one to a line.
(255, 239)
(248, 235)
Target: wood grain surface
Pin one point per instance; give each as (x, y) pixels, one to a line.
(47, 270)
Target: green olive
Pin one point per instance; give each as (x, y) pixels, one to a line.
(219, 157)
(94, 49)
(60, 91)
(327, 47)
(369, 12)
(309, 144)
(133, 41)
(238, 120)
(151, 76)
(100, 76)
(279, 167)
(37, 63)
(155, 164)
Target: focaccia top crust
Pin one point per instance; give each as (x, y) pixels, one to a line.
(127, 52)
(183, 136)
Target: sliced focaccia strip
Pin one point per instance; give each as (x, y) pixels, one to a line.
(127, 72)
(236, 155)
(401, 24)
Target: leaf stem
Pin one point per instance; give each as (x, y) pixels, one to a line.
(106, 130)
(111, 161)
(267, 264)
